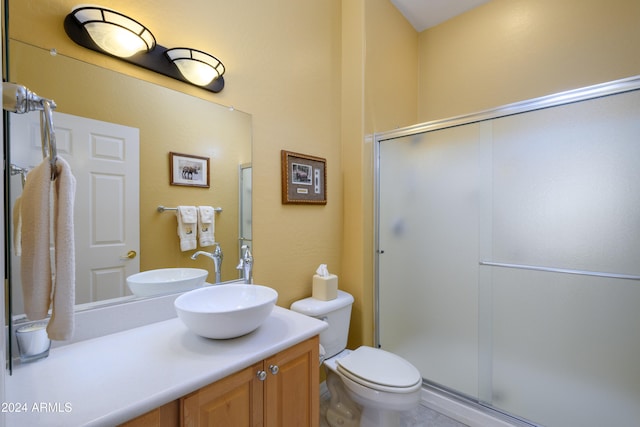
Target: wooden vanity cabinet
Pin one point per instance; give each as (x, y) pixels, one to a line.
(232, 401)
(165, 416)
(292, 395)
(280, 391)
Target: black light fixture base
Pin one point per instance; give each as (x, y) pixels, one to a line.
(155, 60)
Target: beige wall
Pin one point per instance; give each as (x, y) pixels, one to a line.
(379, 72)
(391, 68)
(283, 67)
(320, 76)
(512, 50)
(352, 277)
(502, 52)
(299, 69)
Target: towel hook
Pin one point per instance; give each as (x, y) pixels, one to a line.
(18, 99)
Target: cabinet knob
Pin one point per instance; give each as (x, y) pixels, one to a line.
(274, 369)
(262, 375)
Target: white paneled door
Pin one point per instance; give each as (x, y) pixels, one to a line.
(104, 158)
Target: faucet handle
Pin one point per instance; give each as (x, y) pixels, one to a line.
(248, 257)
(218, 251)
(245, 256)
(246, 263)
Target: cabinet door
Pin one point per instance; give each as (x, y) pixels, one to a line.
(233, 401)
(164, 416)
(292, 393)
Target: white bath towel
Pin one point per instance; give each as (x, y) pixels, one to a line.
(39, 208)
(35, 264)
(206, 225)
(61, 325)
(187, 227)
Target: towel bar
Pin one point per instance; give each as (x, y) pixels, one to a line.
(164, 208)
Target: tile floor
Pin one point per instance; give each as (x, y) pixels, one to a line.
(419, 417)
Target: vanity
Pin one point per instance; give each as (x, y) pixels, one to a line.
(162, 374)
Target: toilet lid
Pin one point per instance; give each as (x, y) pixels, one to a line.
(379, 367)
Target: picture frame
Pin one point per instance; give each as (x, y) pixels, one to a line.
(304, 179)
(189, 170)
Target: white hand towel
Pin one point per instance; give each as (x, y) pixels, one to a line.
(187, 227)
(35, 265)
(63, 297)
(206, 225)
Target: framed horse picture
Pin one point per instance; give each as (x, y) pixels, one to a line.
(192, 171)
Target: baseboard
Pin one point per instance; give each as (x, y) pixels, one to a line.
(466, 413)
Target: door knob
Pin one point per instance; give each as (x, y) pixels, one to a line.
(129, 255)
(262, 375)
(274, 369)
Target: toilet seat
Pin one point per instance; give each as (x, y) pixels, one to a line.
(380, 370)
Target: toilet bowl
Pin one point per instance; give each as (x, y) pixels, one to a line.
(382, 384)
(368, 387)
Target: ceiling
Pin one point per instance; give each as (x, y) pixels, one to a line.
(423, 14)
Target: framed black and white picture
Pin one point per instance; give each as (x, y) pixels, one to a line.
(304, 179)
(189, 170)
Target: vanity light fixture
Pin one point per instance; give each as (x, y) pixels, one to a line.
(113, 33)
(198, 67)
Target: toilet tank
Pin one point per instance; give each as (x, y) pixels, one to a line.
(336, 312)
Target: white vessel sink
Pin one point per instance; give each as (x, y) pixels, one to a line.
(225, 311)
(166, 281)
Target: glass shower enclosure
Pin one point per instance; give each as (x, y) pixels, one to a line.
(508, 255)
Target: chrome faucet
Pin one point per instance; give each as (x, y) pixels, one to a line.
(217, 257)
(246, 264)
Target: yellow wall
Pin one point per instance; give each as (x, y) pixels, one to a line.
(502, 52)
(379, 72)
(512, 50)
(299, 69)
(353, 57)
(319, 76)
(283, 66)
(391, 71)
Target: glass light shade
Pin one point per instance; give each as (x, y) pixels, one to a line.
(114, 32)
(198, 67)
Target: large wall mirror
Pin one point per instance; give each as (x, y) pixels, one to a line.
(166, 120)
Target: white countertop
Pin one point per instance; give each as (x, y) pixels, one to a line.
(112, 379)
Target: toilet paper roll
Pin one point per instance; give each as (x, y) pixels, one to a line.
(325, 288)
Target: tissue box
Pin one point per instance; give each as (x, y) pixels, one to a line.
(325, 288)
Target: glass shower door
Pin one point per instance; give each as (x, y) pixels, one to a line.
(563, 253)
(509, 260)
(429, 254)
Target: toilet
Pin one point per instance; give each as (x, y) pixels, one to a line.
(368, 386)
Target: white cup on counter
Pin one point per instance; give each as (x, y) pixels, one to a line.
(33, 341)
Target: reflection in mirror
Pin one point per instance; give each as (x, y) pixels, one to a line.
(165, 121)
(245, 207)
(104, 158)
